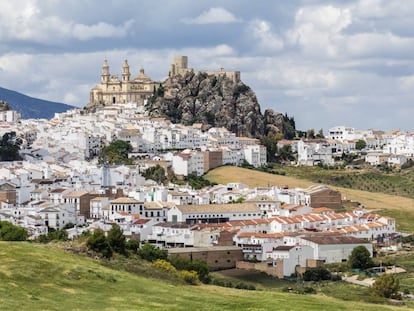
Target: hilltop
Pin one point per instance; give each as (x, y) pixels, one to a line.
(30, 107)
(215, 101)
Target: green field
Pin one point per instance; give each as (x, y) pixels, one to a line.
(43, 277)
(396, 182)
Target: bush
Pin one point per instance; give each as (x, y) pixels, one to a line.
(132, 245)
(386, 286)
(10, 232)
(360, 258)
(196, 265)
(99, 243)
(151, 253)
(317, 274)
(116, 239)
(53, 235)
(164, 265)
(190, 277)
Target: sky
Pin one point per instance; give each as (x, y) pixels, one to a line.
(326, 63)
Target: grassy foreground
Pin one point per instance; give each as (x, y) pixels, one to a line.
(401, 208)
(39, 277)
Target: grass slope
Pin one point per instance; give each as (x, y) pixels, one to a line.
(39, 277)
(401, 208)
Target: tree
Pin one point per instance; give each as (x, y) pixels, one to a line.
(99, 243)
(360, 144)
(116, 153)
(310, 133)
(156, 173)
(317, 274)
(9, 147)
(132, 245)
(360, 258)
(116, 239)
(386, 286)
(151, 253)
(270, 142)
(10, 232)
(289, 127)
(320, 134)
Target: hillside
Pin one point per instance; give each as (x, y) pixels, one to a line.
(401, 208)
(39, 277)
(30, 107)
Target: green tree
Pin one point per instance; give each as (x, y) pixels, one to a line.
(285, 153)
(310, 133)
(99, 243)
(116, 153)
(320, 134)
(116, 239)
(360, 258)
(289, 127)
(270, 142)
(10, 232)
(360, 144)
(132, 245)
(9, 147)
(317, 274)
(156, 173)
(151, 253)
(386, 286)
(197, 182)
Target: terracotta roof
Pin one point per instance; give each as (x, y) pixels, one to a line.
(260, 235)
(219, 208)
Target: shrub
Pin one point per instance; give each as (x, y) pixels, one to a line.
(10, 232)
(190, 277)
(317, 274)
(116, 239)
(197, 265)
(360, 258)
(151, 253)
(386, 286)
(99, 243)
(164, 265)
(132, 245)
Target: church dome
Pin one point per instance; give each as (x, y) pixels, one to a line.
(142, 76)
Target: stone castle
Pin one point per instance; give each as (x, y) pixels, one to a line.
(180, 67)
(113, 90)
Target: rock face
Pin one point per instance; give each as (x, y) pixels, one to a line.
(215, 101)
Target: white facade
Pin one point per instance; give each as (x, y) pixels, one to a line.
(255, 155)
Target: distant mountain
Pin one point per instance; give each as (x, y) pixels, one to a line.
(30, 107)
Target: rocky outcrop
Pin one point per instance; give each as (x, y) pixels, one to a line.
(215, 101)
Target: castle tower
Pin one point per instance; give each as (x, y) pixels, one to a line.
(126, 75)
(179, 65)
(105, 72)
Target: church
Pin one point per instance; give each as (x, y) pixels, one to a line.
(113, 90)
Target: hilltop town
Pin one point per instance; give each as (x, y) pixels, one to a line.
(61, 182)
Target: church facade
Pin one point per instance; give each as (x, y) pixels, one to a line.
(113, 90)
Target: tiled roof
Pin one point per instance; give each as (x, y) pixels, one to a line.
(219, 208)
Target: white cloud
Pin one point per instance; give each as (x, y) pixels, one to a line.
(267, 40)
(101, 30)
(318, 29)
(25, 21)
(216, 15)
